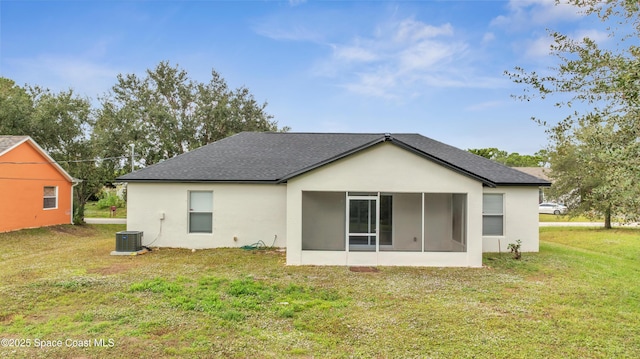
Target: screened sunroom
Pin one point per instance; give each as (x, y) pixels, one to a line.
(356, 222)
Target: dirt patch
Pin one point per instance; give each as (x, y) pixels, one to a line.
(364, 269)
(6, 319)
(160, 332)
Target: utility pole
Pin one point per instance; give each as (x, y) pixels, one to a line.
(132, 155)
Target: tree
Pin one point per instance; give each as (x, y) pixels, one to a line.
(61, 124)
(594, 153)
(490, 153)
(165, 114)
(16, 107)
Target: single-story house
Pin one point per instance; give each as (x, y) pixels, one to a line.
(337, 199)
(542, 173)
(35, 190)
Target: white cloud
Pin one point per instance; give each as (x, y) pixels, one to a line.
(402, 59)
(488, 37)
(292, 33)
(427, 55)
(595, 35)
(524, 13)
(539, 47)
(484, 106)
(411, 30)
(85, 77)
(376, 84)
(354, 53)
(291, 28)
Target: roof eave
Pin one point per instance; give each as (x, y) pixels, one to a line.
(528, 184)
(151, 180)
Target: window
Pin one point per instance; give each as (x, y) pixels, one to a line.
(50, 197)
(200, 212)
(493, 214)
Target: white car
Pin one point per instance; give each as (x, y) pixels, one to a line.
(552, 208)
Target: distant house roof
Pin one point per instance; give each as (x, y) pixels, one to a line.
(540, 172)
(8, 143)
(275, 157)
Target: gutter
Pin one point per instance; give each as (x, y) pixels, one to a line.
(545, 184)
(276, 181)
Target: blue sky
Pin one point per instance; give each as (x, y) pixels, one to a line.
(429, 67)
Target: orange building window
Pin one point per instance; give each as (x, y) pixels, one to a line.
(50, 197)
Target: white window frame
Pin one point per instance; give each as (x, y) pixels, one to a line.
(501, 215)
(190, 211)
(45, 197)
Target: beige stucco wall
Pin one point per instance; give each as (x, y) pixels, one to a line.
(385, 168)
(520, 219)
(249, 212)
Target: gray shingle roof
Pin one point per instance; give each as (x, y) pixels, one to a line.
(540, 172)
(276, 157)
(6, 142)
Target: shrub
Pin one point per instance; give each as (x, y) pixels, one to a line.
(515, 249)
(108, 199)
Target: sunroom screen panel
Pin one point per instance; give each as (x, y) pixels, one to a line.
(323, 221)
(406, 232)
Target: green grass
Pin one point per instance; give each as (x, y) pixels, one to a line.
(577, 298)
(567, 218)
(91, 210)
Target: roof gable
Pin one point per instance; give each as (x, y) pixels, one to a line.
(490, 172)
(274, 157)
(9, 143)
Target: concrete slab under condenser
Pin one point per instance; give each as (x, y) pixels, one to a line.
(136, 253)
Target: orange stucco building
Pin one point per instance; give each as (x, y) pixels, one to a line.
(34, 190)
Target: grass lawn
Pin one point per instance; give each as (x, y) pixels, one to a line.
(91, 210)
(566, 218)
(577, 298)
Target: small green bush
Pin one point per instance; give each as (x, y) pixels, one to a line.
(108, 199)
(515, 249)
